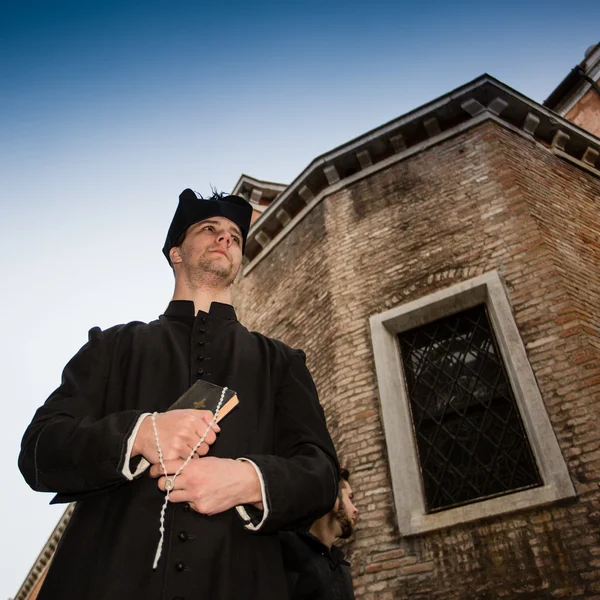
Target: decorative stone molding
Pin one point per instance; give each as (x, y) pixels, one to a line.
(306, 194)
(531, 123)
(432, 126)
(560, 139)
(449, 115)
(262, 238)
(590, 156)
(283, 216)
(256, 195)
(331, 174)
(497, 105)
(473, 107)
(364, 159)
(398, 142)
(411, 512)
(255, 190)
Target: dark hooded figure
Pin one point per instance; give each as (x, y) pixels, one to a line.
(316, 569)
(105, 440)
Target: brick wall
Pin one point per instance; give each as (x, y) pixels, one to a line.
(586, 113)
(485, 200)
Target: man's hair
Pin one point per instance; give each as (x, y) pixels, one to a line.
(344, 476)
(179, 239)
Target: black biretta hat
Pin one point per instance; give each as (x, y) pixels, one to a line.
(193, 208)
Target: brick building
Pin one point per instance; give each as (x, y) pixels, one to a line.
(577, 97)
(441, 272)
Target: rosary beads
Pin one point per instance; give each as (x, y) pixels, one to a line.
(170, 481)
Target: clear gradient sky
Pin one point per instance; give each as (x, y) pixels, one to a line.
(109, 109)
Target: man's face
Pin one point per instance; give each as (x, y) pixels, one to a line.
(212, 248)
(345, 511)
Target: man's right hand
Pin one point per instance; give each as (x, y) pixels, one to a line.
(178, 431)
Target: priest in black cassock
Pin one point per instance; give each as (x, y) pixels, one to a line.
(104, 439)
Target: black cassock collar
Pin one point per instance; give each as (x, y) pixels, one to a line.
(186, 308)
(335, 555)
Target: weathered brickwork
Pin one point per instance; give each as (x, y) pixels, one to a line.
(485, 200)
(586, 113)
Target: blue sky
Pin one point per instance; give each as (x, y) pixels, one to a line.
(108, 110)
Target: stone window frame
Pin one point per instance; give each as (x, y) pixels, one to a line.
(409, 496)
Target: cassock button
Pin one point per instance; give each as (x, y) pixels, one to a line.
(187, 507)
(200, 371)
(201, 342)
(183, 536)
(203, 319)
(201, 358)
(201, 330)
(180, 566)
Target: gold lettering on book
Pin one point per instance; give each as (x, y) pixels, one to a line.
(200, 404)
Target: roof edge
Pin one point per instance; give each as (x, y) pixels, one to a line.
(423, 126)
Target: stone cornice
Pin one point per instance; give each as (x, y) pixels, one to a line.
(45, 556)
(485, 98)
(255, 190)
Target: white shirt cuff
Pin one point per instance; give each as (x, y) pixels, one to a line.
(241, 508)
(143, 464)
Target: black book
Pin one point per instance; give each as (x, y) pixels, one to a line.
(205, 396)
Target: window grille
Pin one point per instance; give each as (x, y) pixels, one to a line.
(470, 437)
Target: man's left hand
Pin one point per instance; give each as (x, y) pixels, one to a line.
(211, 485)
